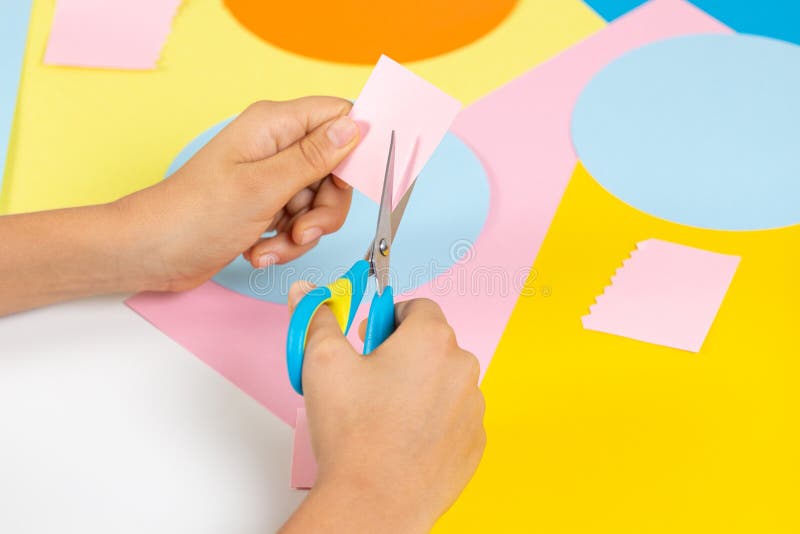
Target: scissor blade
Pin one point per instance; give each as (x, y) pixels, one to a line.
(382, 242)
(397, 213)
(397, 217)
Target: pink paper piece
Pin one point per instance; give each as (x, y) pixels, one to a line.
(243, 339)
(521, 133)
(665, 293)
(304, 465)
(114, 34)
(394, 98)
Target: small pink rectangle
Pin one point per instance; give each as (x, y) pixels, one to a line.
(665, 293)
(114, 34)
(304, 465)
(394, 98)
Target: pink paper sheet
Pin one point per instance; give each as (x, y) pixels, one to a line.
(521, 133)
(665, 293)
(243, 339)
(304, 465)
(394, 98)
(114, 34)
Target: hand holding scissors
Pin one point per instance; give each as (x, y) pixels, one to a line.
(345, 294)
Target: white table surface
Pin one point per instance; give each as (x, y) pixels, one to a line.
(107, 425)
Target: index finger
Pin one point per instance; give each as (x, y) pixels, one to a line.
(418, 310)
(267, 127)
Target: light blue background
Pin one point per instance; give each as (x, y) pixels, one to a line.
(701, 130)
(14, 18)
(445, 214)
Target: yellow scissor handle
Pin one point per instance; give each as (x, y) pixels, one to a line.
(343, 297)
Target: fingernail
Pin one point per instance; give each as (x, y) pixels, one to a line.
(265, 260)
(312, 234)
(342, 131)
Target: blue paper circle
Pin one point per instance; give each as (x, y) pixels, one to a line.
(702, 130)
(444, 216)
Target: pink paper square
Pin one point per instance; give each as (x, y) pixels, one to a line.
(304, 465)
(394, 98)
(665, 293)
(115, 34)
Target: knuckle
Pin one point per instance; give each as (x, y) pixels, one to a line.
(323, 350)
(440, 334)
(425, 304)
(482, 439)
(249, 182)
(314, 155)
(339, 219)
(259, 107)
(481, 406)
(472, 369)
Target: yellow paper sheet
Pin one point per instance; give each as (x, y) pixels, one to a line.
(92, 136)
(589, 432)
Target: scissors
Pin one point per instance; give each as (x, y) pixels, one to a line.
(345, 294)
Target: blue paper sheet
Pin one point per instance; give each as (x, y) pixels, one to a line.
(14, 18)
(773, 18)
(701, 130)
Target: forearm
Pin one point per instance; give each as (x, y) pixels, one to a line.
(51, 256)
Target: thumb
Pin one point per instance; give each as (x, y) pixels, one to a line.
(324, 339)
(308, 160)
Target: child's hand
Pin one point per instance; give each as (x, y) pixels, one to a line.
(398, 434)
(267, 170)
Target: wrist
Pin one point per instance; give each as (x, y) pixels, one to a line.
(345, 504)
(136, 253)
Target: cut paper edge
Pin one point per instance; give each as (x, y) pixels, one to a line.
(639, 262)
(392, 86)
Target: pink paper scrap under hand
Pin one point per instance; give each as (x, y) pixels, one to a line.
(394, 98)
(665, 293)
(304, 465)
(113, 34)
(521, 134)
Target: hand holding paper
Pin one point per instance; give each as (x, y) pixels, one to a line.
(395, 98)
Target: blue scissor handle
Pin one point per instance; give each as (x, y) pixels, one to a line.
(381, 321)
(343, 297)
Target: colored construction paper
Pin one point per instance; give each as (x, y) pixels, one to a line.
(721, 114)
(417, 30)
(422, 248)
(394, 98)
(14, 17)
(304, 464)
(521, 134)
(214, 75)
(772, 18)
(665, 293)
(114, 34)
(243, 339)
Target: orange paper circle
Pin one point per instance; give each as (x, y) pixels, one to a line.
(358, 31)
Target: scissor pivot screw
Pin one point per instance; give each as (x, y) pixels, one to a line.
(383, 246)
